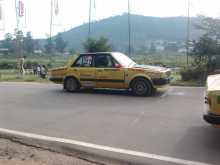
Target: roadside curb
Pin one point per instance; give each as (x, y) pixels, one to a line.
(56, 146)
(91, 152)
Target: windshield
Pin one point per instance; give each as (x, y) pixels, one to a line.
(124, 60)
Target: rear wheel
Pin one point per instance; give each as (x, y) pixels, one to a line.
(71, 84)
(142, 87)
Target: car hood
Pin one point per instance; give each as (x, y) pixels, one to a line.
(213, 83)
(57, 72)
(58, 69)
(153, 68)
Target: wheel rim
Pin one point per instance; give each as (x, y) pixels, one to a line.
(70, 85)
(141, 88)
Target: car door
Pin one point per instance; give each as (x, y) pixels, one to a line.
(108, 75)
(85, 70)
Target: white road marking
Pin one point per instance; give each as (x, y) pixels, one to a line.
(101, 147)
(171, 93)
(137, 119)
(166, 93)
(178, 94)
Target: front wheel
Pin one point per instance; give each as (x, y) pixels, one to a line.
(71, 85)
(142, 87)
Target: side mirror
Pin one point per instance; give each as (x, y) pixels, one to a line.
(118, 65)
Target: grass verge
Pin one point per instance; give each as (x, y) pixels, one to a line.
(14, 76)
(177, 81)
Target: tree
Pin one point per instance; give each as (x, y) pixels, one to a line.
(152, 48)
(19, 43)
(60, 44)
(8, 43)
(29, 43)
(211, 26)
(204, 52)
(207, 48)
(100, 45)
(49, 46)
(19, 36)
(37, 45)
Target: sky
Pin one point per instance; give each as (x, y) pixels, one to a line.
(73, 13)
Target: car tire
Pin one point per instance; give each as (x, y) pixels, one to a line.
(71, 84)
(141, 87)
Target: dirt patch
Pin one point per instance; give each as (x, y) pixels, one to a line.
(16, 154)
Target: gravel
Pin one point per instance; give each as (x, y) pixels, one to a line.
(12, 153)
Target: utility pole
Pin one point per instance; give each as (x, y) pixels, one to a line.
(16, 15)
(17, 45)
(51, 19)
(51, 27)
(188, 34)
(2, 16)
(90, 10)
(129, 29)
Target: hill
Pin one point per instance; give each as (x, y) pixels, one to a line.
(144, 29)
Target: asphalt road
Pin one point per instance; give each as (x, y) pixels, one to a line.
(168, 124)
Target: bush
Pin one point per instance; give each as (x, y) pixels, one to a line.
(192, 73)
(8, 65)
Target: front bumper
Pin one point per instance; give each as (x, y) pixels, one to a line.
(56, 79)
(161, 81)
(211, 118)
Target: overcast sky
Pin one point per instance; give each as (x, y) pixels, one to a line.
(75, 12)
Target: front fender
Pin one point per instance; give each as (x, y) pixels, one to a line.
(131, 78)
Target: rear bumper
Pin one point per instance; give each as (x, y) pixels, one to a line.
(162, 81)
(211, 118)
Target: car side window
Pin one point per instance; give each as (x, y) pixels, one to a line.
(84, 61)
(104, 61)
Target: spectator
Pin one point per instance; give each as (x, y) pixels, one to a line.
(213, 64)
(38, 70)
(43, 72)
(21, 65)
(35, 69)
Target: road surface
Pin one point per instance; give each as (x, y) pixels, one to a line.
(168, 124)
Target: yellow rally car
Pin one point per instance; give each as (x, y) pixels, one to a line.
(213, 100)
(110, 70)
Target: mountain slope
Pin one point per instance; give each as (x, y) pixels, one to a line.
(143, 29)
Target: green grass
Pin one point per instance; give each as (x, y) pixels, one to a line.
(14, 76)
(189, 83)
(177, 81)
(49, 61)
(166, 60)
(57, 61)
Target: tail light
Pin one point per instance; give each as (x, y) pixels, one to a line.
(208, 100)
